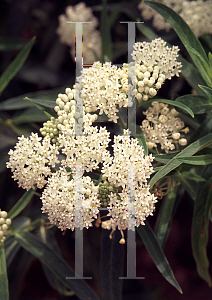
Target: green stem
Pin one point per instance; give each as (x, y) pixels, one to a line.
(121, 121)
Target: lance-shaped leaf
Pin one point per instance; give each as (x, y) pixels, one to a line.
(165, 158)
(200, 160)
(199, 104)
(30, 115)
(4, 292)
(155, 251)
(141, 139)
(18, 102)
(164, 218)
(184, 32)
(199, 232)
(207, 90)
(208, 71)
(112, 254)
(50, 104)
(56, 264)
(175, 162)
(48, 237)
(15, 65)
(21, 204)
(11, 44)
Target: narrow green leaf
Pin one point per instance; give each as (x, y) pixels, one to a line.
(188, 151)
(18, 102)
(165, 158)
(192, 176)
(199, 104)
(56, 264)
(141, 139)
(183, 31)
(46, 103)
(207, 71)
(15, 65)
(30, 115)
(48, 115)
(174, 103)
(199, 232)
(165, 217)
(210, 58)
(188, 70)
(21, 204)
(11, 249)
(199, 160)
(207, 90)
(48, 238)
(8, 44)
(105, 33)
(205, 62)
(204, 129)
(155, 251)
(189, 186)
(4, 292)
(112, 254)
(113, 16)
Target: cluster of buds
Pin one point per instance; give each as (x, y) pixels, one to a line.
(154, 63)
(162, 127)
(105, 188)
(50, 130)
(66, 111)
(4, 225)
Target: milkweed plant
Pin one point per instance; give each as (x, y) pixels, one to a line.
(74, 163)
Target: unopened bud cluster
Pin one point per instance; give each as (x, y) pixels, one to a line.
(50, 130)
(66, 110)
(162, 127)
(154, 63)
(105, 188)
(4, 225)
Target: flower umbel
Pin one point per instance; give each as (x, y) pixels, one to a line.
(31, 161)
(129, 169)
(162, 127)
(59, 202)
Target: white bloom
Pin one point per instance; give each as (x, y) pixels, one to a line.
(59, 202)
(31, 161)
(161, 127)
(105, 88)
(117, 169)
(87, 149)
(91, 36)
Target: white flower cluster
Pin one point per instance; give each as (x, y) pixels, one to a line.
(91, 36)
(104, 87)
(86, 150)
(4, 225)
(31, 161)
(129, 168)
(197, 14)
(154, 63)
(59, 202)
(162, 127)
